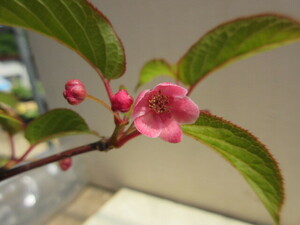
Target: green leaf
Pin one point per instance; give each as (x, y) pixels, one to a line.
(246, 154)
(55, 123)
(74, 23)
(235, 40)
(8, 45)
(10, 123)
(155, 68)
(8, 99)
(9, 119)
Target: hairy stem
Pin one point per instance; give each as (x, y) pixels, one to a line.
(105, 82)
(191, 89)
(25, 154)
(100, 146)
(107, 87)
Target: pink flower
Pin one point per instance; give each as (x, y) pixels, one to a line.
(160, 111)
(74, 92)
(121, 101)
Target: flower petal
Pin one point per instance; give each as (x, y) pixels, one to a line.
(184, 110)
(171, 132)
(141, 104)
(149, 124)
(170, 89)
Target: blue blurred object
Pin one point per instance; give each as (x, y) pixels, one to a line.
(5, 85)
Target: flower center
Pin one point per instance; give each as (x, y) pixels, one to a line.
(159, 103)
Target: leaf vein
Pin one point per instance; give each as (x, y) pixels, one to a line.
(60, 23)
(84, 31)
(29, 11)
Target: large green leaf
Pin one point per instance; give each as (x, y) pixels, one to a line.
(55, 123)
(10, 123)
(75, 23)
(155, 68)
(234, 40)
(246, 154)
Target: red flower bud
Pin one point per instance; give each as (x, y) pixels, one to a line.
(121, 101)
(74, 92)
(65, 164)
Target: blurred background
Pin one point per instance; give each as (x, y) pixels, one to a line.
(260, 94)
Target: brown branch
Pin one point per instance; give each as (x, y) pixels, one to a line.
(100, 146)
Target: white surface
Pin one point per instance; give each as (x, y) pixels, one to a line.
(130, 207)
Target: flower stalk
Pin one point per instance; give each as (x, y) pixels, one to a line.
(12, 146)
(99, 101)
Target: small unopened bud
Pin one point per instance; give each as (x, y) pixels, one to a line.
(65, 164)
(74, 92)
(121, 101)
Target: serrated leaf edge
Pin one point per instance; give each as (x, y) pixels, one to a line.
(232, 59)
(259, 143)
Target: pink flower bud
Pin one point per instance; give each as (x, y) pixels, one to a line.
(74, 92)
(65, 164)
(121, 101)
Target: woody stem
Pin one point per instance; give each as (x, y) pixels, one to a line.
(99, 145)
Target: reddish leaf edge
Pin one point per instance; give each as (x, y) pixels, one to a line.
(234, 58)
(113, 29)
(98, 71)
(282, 189)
